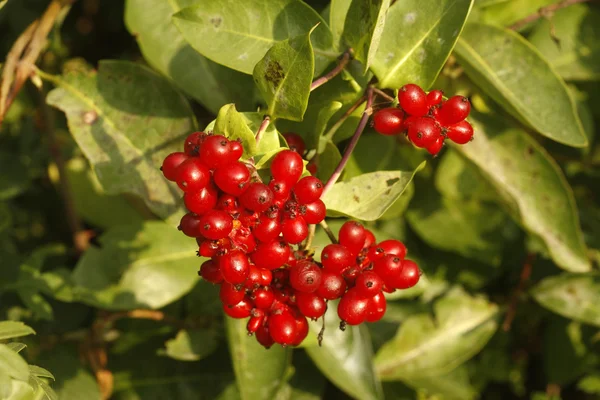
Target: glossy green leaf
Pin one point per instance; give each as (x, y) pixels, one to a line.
(191, 345)
(514, 163)
(417, 39)
(165, 49)
(328, 161)
(454, 385)
(284, 75)
(126, 119)
(367, 197)
(337, 18)
(14, 329)
(574, 296)
(15, 182)
(239, 36)
(231, 124)
(507, 12)
(345, 357)
(513, 73)
(425, 346)
(12, 364)
(363, 28)
(259, 372)
(577, 56)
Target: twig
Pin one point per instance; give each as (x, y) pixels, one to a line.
(329, 134)
(328, 231)
(309, 239)
(346, 57)
(524, 278)
(383, 94)
(262, 128)
(348, 152)
(545, 12)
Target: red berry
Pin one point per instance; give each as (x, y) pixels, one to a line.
(460, 133)
(295, 142)
(308, 190)
(170, 164)
(312, 167)
(389, 121)
(454, 110)
(352, 309)
(314, 212)
(408, 277)
(257, 197)
(283, 328)
(352, 235)
(281, 189)
(389, 268)
(235, 267)
(264, 337)
(240, 310)
(207, 248)
(423, 132)
(436, 146)
(376, 308)
(266, 277)
(192, 143)
(232, 178)
(336, 258)
(216, 224)
(434, 98)
(216, 151)
(333, 286)
(301, 329)
(271, 255)
(228, 203)
(368, 284)
(287, 166)
(210, 271)
(392, 246)
(253, 280)
(256, 320)
(231, 294)
(236, 149)
(267, 228)
(305, 277)
(190, 225)
(263, 298)
(413, 100)
(370, 239)
(201, 201)
(310, 305)
(294, 230)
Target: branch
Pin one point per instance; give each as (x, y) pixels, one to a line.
(383, 94)
(545, 12)
(262, 128)
(346, 57)
(328, 231)
(524, 278)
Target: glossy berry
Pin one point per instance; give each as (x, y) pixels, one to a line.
(283, 328)
(301, 328)
(389, 268)
(190, 225)
(454, 110)
(352, 235)
(281, 189)
(267, 229)
(210, 271)
(308, 190)
(256, 320)
(271, 255)
(231, 294)
(305, 277)
(408, 277)
(263, 336)
(310, 305)
(257, 197)
(352, 308)
(295, 142)
(170, 164)
(228, 203)
(232, 178)
(392, 246)
(460, 133)
(336, 258)
(287, 166)
(192, 143)
(314, 212)
(332, 287)
(240, 310)
(236, 149)
(216, 151)
(413, 100)
(369, 239)
(201, 201)
(192, 175)
(436, 146)
(434, 98)
(207, 248)
(376, 308)
(389, 121)
(266, 277)
(294, 230)
(263, 298)
(368, 284)
(216, 224)
(234, 267)
(423, 132)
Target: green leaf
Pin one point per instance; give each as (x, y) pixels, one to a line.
(363, 28)
(574, 296)
(417, 40)
(514, 163)
(13, 329)
(16, 182)
(426, 347)
(329, 159)
(345, 357)
(231, 124)
(284, 76)
(126, 119)
(166, 50)
(507, 12)
(5, 217)
(16, 346)
(249, 357)
(578, 55)
(191, 345)
(513, 73)
(6, 388)
(367, 197)
(337, 18)
(42, 387)
(454, 385)
(590, 383)
(12, 364)
(40, 372)
(238, 37)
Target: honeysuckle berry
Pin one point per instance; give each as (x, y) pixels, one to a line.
(311, 305)
(305, 277)
(352, 308)
(170, 164)
(287, 166)
(389, 121)
(295, 142)
(413, 100)
(454, 110)
(376, 307)
(423, 132)
(460, 133)
(434, 98)
(232, 178)
(282, 327)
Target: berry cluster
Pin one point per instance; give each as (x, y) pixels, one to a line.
(426, 118)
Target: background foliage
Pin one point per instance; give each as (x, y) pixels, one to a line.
(506, 228)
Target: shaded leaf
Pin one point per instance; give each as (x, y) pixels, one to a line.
(16, 346)
(590, 383)
(40, 385)
(40, 372)
(328, 161)
(337, 18)
(513, 73)
(454, 385)
(13, 329)
(191, 345)
(417, 39)
(507, 12)
(15, 182)
(12, 364)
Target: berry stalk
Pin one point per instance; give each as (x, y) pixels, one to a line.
(346, 57)
(262, 128)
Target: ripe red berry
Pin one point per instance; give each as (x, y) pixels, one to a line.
(314, 212)
(336, 258)
(254, 278)
(305, 277)
(287, 166)
(266, 277)
(210, 271)
(228, 203)
(460, 133)
(301, 328)
(333, 286)
(216, 151)
(434, 98)
(201, 201)
(368, 284)
(240, 310)
(294, 230)
(231, 294)
(170, 164)
(454, 110)
(267, 228)
(192, 143)
(271, 255)
(232, 178)
(263, 336)
(370, 239)
(263, 298)
(190, 225)
(392, 246)
(295, 142)
(256, 320)
(389, 121)
(257, 197)
(308, 190)
(235, 267)
(389, 268)
(352, 309)
(423, 132)
(413, 100)
(436, 146)
(281, 189)
(312, 167)
(207, 248)
(352, 235)
(408, 277)
(236, 149)
(282, 327)
(376, 308)
(310, 305)
(216, 224)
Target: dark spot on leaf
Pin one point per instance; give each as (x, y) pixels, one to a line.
(387, 192)
(391, 182)
(216, 21)
(529, 150)
(356, 198)
(274, 73)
